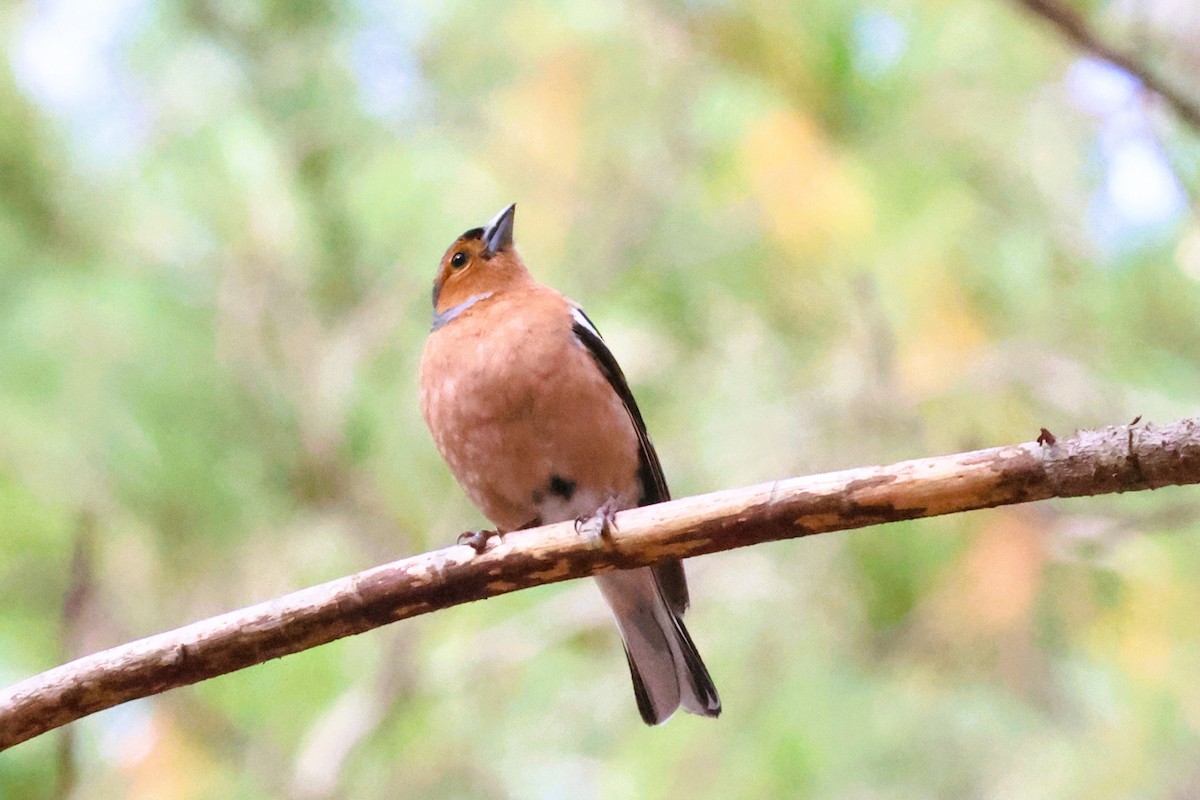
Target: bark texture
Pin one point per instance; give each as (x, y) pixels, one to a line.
(1117, 459)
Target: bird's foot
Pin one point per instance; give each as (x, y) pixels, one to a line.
(477, 540)
(600, 524)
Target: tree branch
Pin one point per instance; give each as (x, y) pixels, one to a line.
(1075, 28)
(1119, 459)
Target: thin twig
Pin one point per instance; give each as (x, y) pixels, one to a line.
(1119, 459)
(1075, 27)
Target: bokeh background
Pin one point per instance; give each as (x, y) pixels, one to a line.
(817, 235)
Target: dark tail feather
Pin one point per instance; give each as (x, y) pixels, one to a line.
(702, 698)
(666, 670)
(645, 707)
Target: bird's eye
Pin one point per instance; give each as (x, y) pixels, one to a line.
(458, 259)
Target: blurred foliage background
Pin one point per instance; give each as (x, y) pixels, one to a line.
(817, 235)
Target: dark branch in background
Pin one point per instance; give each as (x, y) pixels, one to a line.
(79, 597)
(1121, 459)
(1074, 27)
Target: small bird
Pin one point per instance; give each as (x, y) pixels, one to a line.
(533, 415)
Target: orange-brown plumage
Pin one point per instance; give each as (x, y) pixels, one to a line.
(479, 273)
(536, 422)
(509, 418)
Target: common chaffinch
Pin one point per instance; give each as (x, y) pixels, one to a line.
(532, 413)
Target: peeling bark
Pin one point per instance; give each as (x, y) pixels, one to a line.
(1118, 459)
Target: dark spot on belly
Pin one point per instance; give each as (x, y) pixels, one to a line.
(562, 487)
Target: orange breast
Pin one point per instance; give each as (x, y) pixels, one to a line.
(519, 410)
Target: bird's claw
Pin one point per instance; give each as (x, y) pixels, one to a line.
(477, 540)
(600, 524)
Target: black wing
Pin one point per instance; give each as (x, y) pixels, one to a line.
(671, 578)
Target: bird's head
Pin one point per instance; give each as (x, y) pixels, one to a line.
(481, 261)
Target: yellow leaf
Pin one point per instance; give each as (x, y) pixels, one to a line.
(810, 194)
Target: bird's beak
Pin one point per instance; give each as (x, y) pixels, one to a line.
(497, 235)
